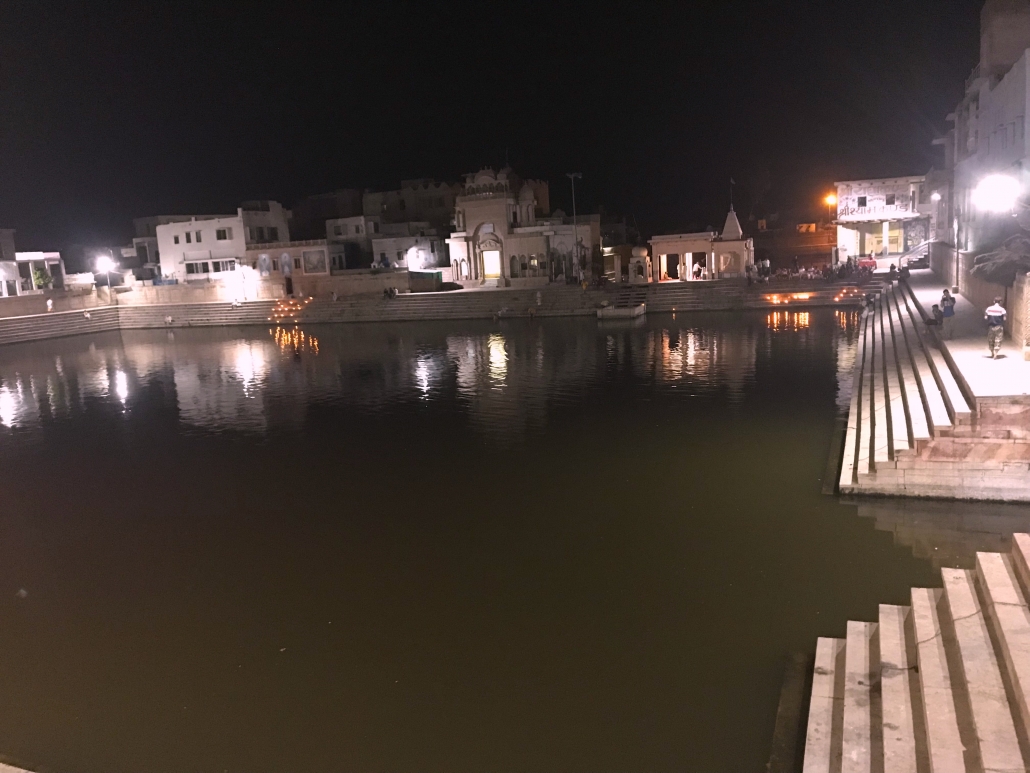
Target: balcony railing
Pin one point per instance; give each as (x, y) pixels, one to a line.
(973, 77)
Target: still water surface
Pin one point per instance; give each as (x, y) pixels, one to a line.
(550, 546)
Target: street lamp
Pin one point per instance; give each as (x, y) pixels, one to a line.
(996, 193)
(104, 266)
(573, 176)
(831, 201)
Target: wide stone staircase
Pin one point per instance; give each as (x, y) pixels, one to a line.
(66, 323)
(912, 426)
(35, 327)
(942, 684)
(629, 296)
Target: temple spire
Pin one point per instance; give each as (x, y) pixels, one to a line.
(732, 230)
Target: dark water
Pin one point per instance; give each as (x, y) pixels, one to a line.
(545, 546)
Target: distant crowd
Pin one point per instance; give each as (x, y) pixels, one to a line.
(762, 271)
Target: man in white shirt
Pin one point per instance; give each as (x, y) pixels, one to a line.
(995, 316)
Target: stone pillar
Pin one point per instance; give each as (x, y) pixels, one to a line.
(1021, 290)
(886, 237)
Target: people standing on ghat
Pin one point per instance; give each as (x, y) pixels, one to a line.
(948, 310)
(995, 316)
(938, 316)
(747, 273)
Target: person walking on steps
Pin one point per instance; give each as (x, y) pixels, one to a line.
(995, 316)
(948, 310)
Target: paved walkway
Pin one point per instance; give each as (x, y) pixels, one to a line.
(1008, 375)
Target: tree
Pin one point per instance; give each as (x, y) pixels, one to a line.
(41, 278)
(1001, 266)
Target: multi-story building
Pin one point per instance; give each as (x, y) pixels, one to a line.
(884, 217)
(212, 246)
(420, 200)
(350, 240)
(19, 271)
(505, 235)
(988, 136)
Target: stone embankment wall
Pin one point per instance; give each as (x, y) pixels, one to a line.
(546, 302)
(353, 282)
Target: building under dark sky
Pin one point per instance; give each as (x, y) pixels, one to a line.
(117, 110)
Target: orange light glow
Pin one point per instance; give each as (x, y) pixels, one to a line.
(830, 200)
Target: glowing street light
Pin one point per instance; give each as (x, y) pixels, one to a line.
(935, 197)
(831, 201)
(105, 266)
(996, 193)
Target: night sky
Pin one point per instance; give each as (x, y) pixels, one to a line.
(120, 110)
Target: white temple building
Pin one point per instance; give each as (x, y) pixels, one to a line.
(702, 255)
(506, 236)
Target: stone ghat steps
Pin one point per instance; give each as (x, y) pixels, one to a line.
(732, 295)
(57, 324)
(942, 684)
(107, 318)
(195, 314)
(910, 429)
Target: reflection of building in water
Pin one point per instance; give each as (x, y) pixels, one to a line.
(509, 381)
(220, 384)
(947, 533)
(847, 349)
(698, 357)
(54, 379)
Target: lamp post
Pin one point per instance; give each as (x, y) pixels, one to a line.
(831, 201)
(573, 176)
(104, 266)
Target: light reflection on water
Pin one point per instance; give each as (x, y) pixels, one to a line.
(517, 530)
(507, 379)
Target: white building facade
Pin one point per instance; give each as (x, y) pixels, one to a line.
(884, 217)
(212, 247)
